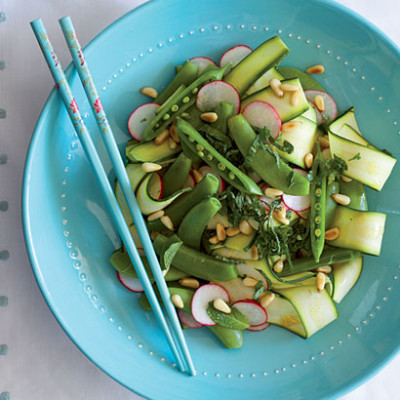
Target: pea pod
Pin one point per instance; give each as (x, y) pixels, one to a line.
(318, 204)
(183, 102)
(195, 221)
(171, 99)
(176, 175)
(208, 186)
(328, 257)
(272, 170)
(333, 187)
(230, 338)
(185, 76)
(197, 263)
(224, 111)
(214, 159)
(355, 190)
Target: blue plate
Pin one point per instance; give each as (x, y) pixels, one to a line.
(70, 235)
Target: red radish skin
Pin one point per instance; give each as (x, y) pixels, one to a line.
(319, 115)
(261, 114)
(211, 94)
(234, 55)
(132, 284)
(330, 113)
(140, 118)
(259, 328)
(255, 314)
(204, 170)
(156, 187)
(202, 297)
(190, 181)
(188, 320)
(202, 63)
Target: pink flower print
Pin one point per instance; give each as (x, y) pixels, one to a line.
(98, 106)
(80, 54)
(73, 106)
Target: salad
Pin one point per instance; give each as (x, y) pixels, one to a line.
(253, 189)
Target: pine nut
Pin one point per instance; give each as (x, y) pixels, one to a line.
(167, 222)
(291, 125)
(324, 141)
(275, 85)
(232, 231)
(320, 281)
(221, 305)
(326, 269)
(154, 234)
(197, 175)
(287, 87)
(162, 137)
(172, 144)
(173, 131)
(308, 160)
(346, 178)
(249, 282)
(209, 116)
(315, 69)
(267, 299)
(151, 167)
(156, 215)
(177, 300)
(220, 230)
(245, 228)
(319, 102)
(295, 98)
(341, 199)
(280, 216)
(149, 91)
(214, 239)
(332, 234)
(278, 266)
(272, 192)
(189, 282)
(254, 252)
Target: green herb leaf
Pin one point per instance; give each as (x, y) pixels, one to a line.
(234, 320)
(169, 251)
(259, 290)
(356, 157)
(143, 120)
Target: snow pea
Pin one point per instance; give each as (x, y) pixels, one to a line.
(355, 190)
(176, 175)
(230, 338)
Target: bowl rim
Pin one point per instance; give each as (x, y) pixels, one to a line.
(333, 4)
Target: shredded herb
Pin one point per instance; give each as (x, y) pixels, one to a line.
(356, 157)
(259, 290)
(143, 120)
(337, 165)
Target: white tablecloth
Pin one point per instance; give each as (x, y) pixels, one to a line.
(37, 359)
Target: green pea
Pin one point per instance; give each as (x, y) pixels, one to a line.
(221, 167)
(318, 192)
(317, 232)
(209, 157)
(166, 116)
(195, 90)
(231, 175)
(199, 147)
(186, 99)
(175, 108)
(200, 154)
(317, 219)
(191, 139)
(317, 206)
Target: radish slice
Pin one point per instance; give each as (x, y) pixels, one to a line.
(156, 187)
(210, 95)
(297, 203)
(187, 319)
(202, 63)
(255, 314)
(140, 118)
(330, 106)
(204, 170)
(132, 284)
(234, 56)
(262, 115)
(259, 327)
(202, 297)
(190, 181)
(245, 269)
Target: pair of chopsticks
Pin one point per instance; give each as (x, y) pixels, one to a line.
(173, 331)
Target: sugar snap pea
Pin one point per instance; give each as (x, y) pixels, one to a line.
(171, 99)
(318, 204)
(224, 111)
(176, 175)
(183, 102)
(332, 187)
(355, 190)
(230, 338)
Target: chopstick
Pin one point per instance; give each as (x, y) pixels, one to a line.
(175, 337)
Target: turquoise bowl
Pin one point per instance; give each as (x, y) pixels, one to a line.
(70, 236)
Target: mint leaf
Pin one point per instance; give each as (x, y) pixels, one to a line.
(259, 290)
(356, 157)
(234, 320)
(169, 251)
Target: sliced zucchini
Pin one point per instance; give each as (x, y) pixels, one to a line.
(263, 81)
(347, 132)
(135, 174)
(311, 114)
(302, 138)
(345, 276)
(147, 204)
(150, 152)
(233, 254)
(282, 105)
(315, 309)
(239, 242)
(218, 218)
(359, 230)
(366, 165)
(260, 60)
(346, 118)
(282, 313)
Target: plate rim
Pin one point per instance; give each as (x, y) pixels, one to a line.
(69, 71)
